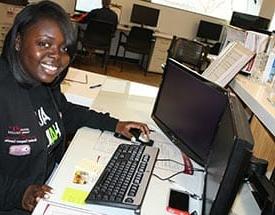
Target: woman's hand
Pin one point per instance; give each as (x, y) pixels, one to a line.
(33, 194)
(123, 128)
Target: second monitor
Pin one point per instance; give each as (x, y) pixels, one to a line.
(144, 15)
(85, 6)
(209, 31)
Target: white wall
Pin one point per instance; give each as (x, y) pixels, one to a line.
(267, 9)
(172, 21)
(68, 5)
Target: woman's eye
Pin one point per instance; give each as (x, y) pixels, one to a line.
(44, 44)
(64, 49)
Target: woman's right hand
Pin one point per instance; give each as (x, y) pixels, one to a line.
(33, 194)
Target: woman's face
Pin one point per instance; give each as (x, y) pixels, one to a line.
(42, 51)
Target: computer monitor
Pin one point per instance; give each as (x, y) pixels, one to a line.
(249, 22)
(228, 161)
(209, 30)
(85, 6)
(187, 109)
(208, 125)
(144, 15)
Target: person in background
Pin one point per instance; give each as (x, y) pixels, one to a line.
(35, 117)
(103, 14)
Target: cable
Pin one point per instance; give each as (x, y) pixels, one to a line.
(179, 163)
(192, 195)
(169, 177)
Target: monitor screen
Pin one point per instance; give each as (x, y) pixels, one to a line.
(144, 15)
(187, 109)
(228, 160)
(249, 22)
(87, 5)
(209, 30)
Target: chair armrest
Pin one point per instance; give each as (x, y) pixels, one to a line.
(122, 34)
(80, 34)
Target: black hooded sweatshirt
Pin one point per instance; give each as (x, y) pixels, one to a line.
(33, 125)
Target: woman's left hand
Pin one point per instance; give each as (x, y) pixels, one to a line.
(123, 127)
(33, 194)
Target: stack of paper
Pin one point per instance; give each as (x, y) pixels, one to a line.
(256, 42)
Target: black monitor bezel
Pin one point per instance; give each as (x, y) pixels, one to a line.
(173, 137)
(152, 23)
(237, 163)
(218, 33)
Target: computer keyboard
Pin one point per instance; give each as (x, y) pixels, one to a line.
(124, 180)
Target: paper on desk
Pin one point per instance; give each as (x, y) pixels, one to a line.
(167, 151)
(138, 89)
(87, 171)
(107, 143)
(191, 183)
(73, 195)
(80, 100)
(114, 85)
(78, 76)
(46, 207)
(256, 42)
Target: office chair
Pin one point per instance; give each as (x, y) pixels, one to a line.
(98, 36)
(191, 53)
(139, 40)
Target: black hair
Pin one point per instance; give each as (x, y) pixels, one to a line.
(26, 18)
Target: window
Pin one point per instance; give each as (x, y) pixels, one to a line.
(216, 8)
(272, 24)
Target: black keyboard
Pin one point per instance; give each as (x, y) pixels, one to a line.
(124, 180)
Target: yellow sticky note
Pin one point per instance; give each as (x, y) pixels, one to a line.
(74, 195)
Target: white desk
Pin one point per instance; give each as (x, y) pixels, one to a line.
(128, 101)
(245, 204)
(254, 96)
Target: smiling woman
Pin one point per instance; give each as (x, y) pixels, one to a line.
(42, 51)
(35, 117)
(18, 42)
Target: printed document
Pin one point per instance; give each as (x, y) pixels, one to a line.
(229, 62)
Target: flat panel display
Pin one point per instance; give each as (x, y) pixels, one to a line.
(87, 5)
(208, 125)
(209, 30)
(249, 22)
(144, 15)
(187, 109)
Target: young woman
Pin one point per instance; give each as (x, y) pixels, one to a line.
(35, 117)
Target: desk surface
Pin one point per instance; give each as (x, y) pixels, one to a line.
(127, 101)
(254, 95)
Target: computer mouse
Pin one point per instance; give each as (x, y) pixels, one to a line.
(140, 137)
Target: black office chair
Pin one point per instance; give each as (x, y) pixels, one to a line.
(191, 53)
(139, 40)
(98, 36)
